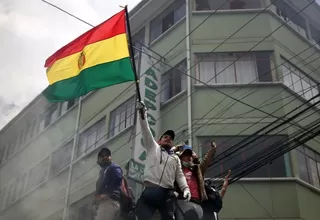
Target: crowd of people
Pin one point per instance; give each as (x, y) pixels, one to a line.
(174, 183)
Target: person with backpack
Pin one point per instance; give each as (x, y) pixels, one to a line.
(162, 169)
(108, 188)
(127, 201)
(213, 205)
(194, 171)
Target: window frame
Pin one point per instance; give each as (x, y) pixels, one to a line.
(53, 168)
(135, 40)
(98, 128)
(2, 154)
(170, 77)
(233, 57)
(302, 151)
(158, 20)
(302, 76)
(120, 109)
(32, 128)
(245, 154)
(45, 164)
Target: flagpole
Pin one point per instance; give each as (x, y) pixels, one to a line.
(75, 143)
(133, 63)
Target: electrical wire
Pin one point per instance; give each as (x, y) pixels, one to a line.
(245, 141)
(274, 154)
(239, 28)
(264, 157)
(212, 13)
(273, 148)
(238, 116)
(254, 46)
(94, 166)
(256, 137)
(299, 138)
(78, 178)
(90, 169)
(228, 106)
(98, 141)
(229, 96)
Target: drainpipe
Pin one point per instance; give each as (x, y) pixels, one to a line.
(75, 143)
(188, 56)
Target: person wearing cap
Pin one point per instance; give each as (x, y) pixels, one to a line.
(209, 210)
(162, 170)
(107, 197)
(194, 171)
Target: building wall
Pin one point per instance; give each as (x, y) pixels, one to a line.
(277, 199)
(47, 152)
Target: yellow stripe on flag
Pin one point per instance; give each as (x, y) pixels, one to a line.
(104, 51)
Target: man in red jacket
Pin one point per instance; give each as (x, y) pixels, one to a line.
(194, 171)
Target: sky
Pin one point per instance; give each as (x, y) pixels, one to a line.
(30, 31)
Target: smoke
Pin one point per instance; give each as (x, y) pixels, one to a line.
(30, 31)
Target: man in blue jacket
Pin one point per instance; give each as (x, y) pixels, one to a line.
(108, 187)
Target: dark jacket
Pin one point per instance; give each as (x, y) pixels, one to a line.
(109, 181)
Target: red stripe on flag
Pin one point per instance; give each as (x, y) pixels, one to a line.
(112, 27)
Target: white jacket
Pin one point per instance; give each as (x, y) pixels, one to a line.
(160, 168)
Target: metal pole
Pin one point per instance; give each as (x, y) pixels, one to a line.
(75, 143)
(188, 56)
(132, 59)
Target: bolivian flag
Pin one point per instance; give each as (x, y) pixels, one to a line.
(98, 58)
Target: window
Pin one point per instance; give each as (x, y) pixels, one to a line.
(22, 137)
(50, 115)
(2, 150)
(122, 117)
(38, 174)
(92, 137)
(61, 158)
(5, 197)
(11, 149)
(234, 67)
(309, 165)
(5, 153)
(19, 191)
(34, 128)
(23, 134)
(11, 193)
(173, 81)
(315, 36)
(274, 169)
(14, 185)
(299, 81)
(167, 19)
(138, 40)
(67, 105)
(2, 194)
(82, 209)
(202, 5)
(290, 16)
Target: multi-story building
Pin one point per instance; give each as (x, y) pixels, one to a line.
(265, 55)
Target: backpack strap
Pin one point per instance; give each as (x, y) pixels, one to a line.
(124, 186)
